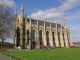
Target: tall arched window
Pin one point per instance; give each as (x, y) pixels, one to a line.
(27, 37)
(53, 37)
(40, 38)
(33, 43)
(68, 39)
(47, 38)
(64, 40)
(17, 37)
(59, 39)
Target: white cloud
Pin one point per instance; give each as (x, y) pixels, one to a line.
(56, 13)
(52, 14)
(75, 33)
(7, 3)
(69, 4)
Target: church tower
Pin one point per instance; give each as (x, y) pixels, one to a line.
(22, 10)
(65, 22)
(66, 32)
(22, 18)
(19, 39)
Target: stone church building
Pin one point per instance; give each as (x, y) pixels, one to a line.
(36, 34)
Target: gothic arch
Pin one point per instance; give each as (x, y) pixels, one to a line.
(68, 39)
(17, 37)
(40, 38)
(59, 39)
(53, 38)
(64, 40)
(27, 37)
(47, 38)
(33, 43)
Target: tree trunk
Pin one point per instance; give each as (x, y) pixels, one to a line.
(2, 44)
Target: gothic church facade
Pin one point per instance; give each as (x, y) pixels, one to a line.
(36, 34)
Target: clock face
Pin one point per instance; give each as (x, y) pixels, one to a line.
(62, 1)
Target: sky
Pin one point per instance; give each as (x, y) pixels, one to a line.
(52, 11)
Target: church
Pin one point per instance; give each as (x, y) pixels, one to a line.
(36, 34)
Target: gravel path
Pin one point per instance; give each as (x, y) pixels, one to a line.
(3, 57)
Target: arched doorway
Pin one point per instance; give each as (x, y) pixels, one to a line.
(59, 39)
(47, 39)
(64, 40)
(33, 43)
(17, 37)
(40, 38)
(53, 37)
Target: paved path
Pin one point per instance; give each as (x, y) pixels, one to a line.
(3, 57)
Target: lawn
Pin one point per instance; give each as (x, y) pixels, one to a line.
(51, 54)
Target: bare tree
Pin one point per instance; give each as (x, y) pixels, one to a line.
(5, 22)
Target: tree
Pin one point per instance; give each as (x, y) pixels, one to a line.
(5, 22)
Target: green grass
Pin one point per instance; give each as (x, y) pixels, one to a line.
(51, 54)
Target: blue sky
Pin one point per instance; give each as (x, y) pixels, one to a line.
(55, 8)
(32, 6)
(53, 11)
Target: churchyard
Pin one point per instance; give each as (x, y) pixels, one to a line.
(50, 54)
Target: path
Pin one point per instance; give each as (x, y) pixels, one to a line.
(3, 57)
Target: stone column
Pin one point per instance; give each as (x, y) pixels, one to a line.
(50, 36)
(30, 34)
(69, 38)
(21, 30)
(56, 37)
(30, 25)
(44, 35)
(65, 31)
(66, 39)
(61, 37)
(37, 36)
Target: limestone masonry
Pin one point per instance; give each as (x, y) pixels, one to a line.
(36, 34)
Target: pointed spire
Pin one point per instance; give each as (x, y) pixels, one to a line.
(65, 22)
(22, 10)
(22, 6)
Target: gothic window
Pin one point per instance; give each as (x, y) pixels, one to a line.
(40, 38)
(59, 39)
(47, 38)
(27, 37)
(18, 37)
(53, 37)
(64, 40)
(68, 39)
(33, 43)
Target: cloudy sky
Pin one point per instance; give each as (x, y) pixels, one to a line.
(53, 11)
